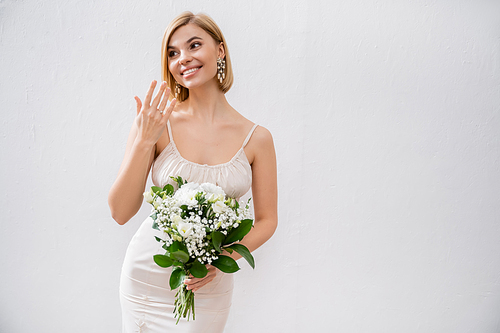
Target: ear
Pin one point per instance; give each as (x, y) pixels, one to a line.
(221, 53)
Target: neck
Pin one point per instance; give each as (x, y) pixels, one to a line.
(207, 102)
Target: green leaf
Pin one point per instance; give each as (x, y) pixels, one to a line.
(177, 277)
(226, 264)
(245, 253)
(198, 270)
(180, 256)
(169, 189)
(156, 189)
(153, 216)
(155, 226)
(176, 246)
(217, 239)
(158, 239)
(162, 260)
(178, 251)
(179, 180)
(228, 250)
(237, 234)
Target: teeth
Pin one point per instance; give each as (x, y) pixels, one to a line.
(189, 71)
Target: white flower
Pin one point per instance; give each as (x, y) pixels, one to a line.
(176, 219)
(148, 196)
(211, 188)
(157, 202)
(219, 207)
(185, 229)
(186, 196)
(189, 187)
(213, 192)
(212, 197)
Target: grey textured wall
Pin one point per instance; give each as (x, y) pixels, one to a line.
(385, 116)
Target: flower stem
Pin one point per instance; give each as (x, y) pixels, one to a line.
(184, 303)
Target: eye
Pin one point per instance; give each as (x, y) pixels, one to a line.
(172, 53)
(195, 45)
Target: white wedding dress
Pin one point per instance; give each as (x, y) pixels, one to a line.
(145, 295)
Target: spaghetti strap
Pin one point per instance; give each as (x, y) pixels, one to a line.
(249, 135)
(170, 131)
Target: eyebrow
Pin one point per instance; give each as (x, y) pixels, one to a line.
(187, 42)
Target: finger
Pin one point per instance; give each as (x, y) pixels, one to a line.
(201, 284)
(196, 283)
(164, 100)
(149, 94)
(189, 283)
(139, 104)
(157, 99)
(170, 108)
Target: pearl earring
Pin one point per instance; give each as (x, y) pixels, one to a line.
(221, 68)
(177, 89)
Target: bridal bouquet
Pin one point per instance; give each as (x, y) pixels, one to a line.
(198, 223)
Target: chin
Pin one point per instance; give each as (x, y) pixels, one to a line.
(196, 83)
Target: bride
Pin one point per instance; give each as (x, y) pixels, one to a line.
(201, 138)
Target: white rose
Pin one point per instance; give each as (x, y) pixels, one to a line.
(190, 187)
(185, 196)
(185, 229)
(219, 207)
(212, 188)
(213, 192)
(148, 196)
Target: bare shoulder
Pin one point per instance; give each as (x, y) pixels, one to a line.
(262, 136)
(260, 146)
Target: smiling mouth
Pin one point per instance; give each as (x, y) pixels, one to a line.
(189, 71)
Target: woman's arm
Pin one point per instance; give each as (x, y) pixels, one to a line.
(264, 190)
(125, 195)
(265, 200)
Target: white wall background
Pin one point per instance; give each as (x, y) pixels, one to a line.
(386, 119)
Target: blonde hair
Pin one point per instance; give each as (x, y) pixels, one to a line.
(206, 23)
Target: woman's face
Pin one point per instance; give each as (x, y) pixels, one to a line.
(192, 56)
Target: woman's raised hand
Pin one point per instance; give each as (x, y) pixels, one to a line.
(152, 117)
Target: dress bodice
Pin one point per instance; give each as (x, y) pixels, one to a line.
(234, 177)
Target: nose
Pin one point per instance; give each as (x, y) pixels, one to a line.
(185, 58)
